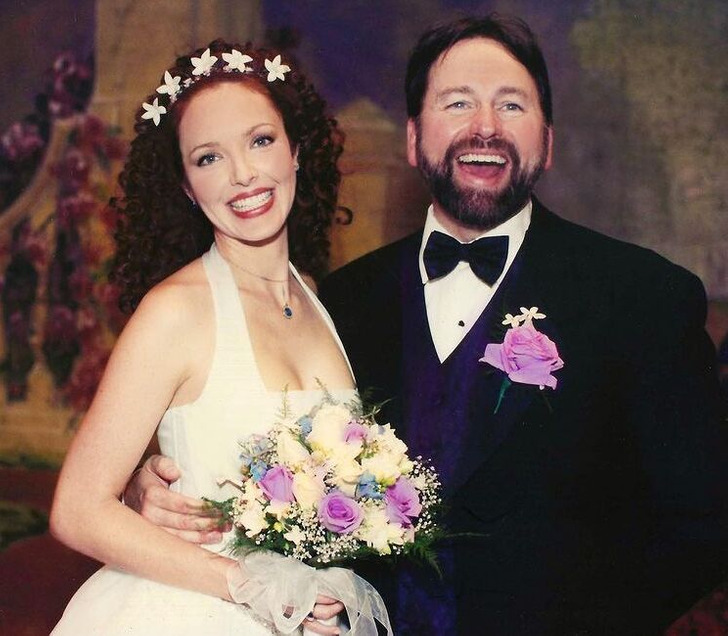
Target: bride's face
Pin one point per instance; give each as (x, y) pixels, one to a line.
(239, 165)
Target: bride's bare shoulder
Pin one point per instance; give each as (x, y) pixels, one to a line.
(180, 300)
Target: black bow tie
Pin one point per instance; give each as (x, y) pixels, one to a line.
(486, 256)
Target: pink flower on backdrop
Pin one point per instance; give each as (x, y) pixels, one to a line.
(340, 513)
(76, 208)
(526, 356)
(403, 502)
(277, 484)
(21, 141)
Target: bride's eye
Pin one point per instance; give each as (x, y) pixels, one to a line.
(261, 141)
(207, 159)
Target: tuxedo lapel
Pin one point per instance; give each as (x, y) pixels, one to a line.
(530, 282)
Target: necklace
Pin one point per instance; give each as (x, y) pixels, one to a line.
(287, 311)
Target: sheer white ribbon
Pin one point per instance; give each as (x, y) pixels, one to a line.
(282, 591)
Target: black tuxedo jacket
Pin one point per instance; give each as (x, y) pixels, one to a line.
(603, 509)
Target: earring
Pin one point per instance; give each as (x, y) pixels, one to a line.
(296, 166)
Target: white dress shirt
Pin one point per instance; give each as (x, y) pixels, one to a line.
(455, 301)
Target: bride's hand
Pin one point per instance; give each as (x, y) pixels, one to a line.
(148, 494)
(325, 609)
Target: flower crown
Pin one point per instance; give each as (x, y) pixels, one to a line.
(203, 66)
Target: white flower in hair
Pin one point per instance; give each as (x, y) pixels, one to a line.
(153, 111)
(276, 70)
(236, 61)
(203, 64)
(170, 86)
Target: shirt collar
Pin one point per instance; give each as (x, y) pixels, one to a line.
(514, 228)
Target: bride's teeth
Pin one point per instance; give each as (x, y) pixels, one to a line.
(477, 158)
(251, 203)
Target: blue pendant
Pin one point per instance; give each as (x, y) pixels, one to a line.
(287, 311)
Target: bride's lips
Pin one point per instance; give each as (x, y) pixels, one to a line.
(252, 204)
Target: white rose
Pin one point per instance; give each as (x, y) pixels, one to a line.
(307, 489)
(388, 441)
(252, 492)
(253, 519)
(290, 450)
(384, 466)
(278, 509)
(328, 426)
(377, 531)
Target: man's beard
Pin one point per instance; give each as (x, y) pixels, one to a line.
(479, 208)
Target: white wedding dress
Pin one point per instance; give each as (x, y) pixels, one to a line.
(202, 438)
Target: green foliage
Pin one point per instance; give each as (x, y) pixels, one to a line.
(18, 521)
(32, 462)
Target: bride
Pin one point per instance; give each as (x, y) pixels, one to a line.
(234, 161)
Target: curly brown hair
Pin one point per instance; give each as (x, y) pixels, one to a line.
(159, 230)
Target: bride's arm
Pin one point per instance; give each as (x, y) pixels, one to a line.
(151, 361)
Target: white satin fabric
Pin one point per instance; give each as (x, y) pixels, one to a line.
(202, 437)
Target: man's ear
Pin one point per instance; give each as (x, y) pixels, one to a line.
(412, 142)
(549, 147)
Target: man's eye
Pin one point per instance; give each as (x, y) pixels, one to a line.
(207, 159)
(458, 105)
(512, 107)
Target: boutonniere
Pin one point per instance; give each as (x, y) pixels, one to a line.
(526, 355)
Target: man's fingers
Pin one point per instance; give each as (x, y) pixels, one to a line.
(314, 626)
(200, 538)
(326, 607)
(163, 467)
(158, 496)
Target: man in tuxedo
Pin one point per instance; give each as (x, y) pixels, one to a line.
(561, 381)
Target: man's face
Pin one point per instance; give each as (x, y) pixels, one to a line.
(481, 141)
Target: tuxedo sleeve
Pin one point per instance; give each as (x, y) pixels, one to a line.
(675, 405)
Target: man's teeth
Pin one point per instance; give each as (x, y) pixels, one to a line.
(250, 203)
(478, 158)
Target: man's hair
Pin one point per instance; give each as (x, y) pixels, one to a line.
(511, 32)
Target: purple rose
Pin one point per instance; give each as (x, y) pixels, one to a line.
(355, 431)
(403, 502)
(277, 484)
(340, 513)
(526, 355)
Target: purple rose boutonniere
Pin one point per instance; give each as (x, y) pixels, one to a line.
(526, 355)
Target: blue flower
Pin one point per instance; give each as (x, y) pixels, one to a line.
(368, 487)
(258, 469)
(305, 423)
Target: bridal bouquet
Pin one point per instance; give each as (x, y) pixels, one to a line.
(332, 486)
(324, 489)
